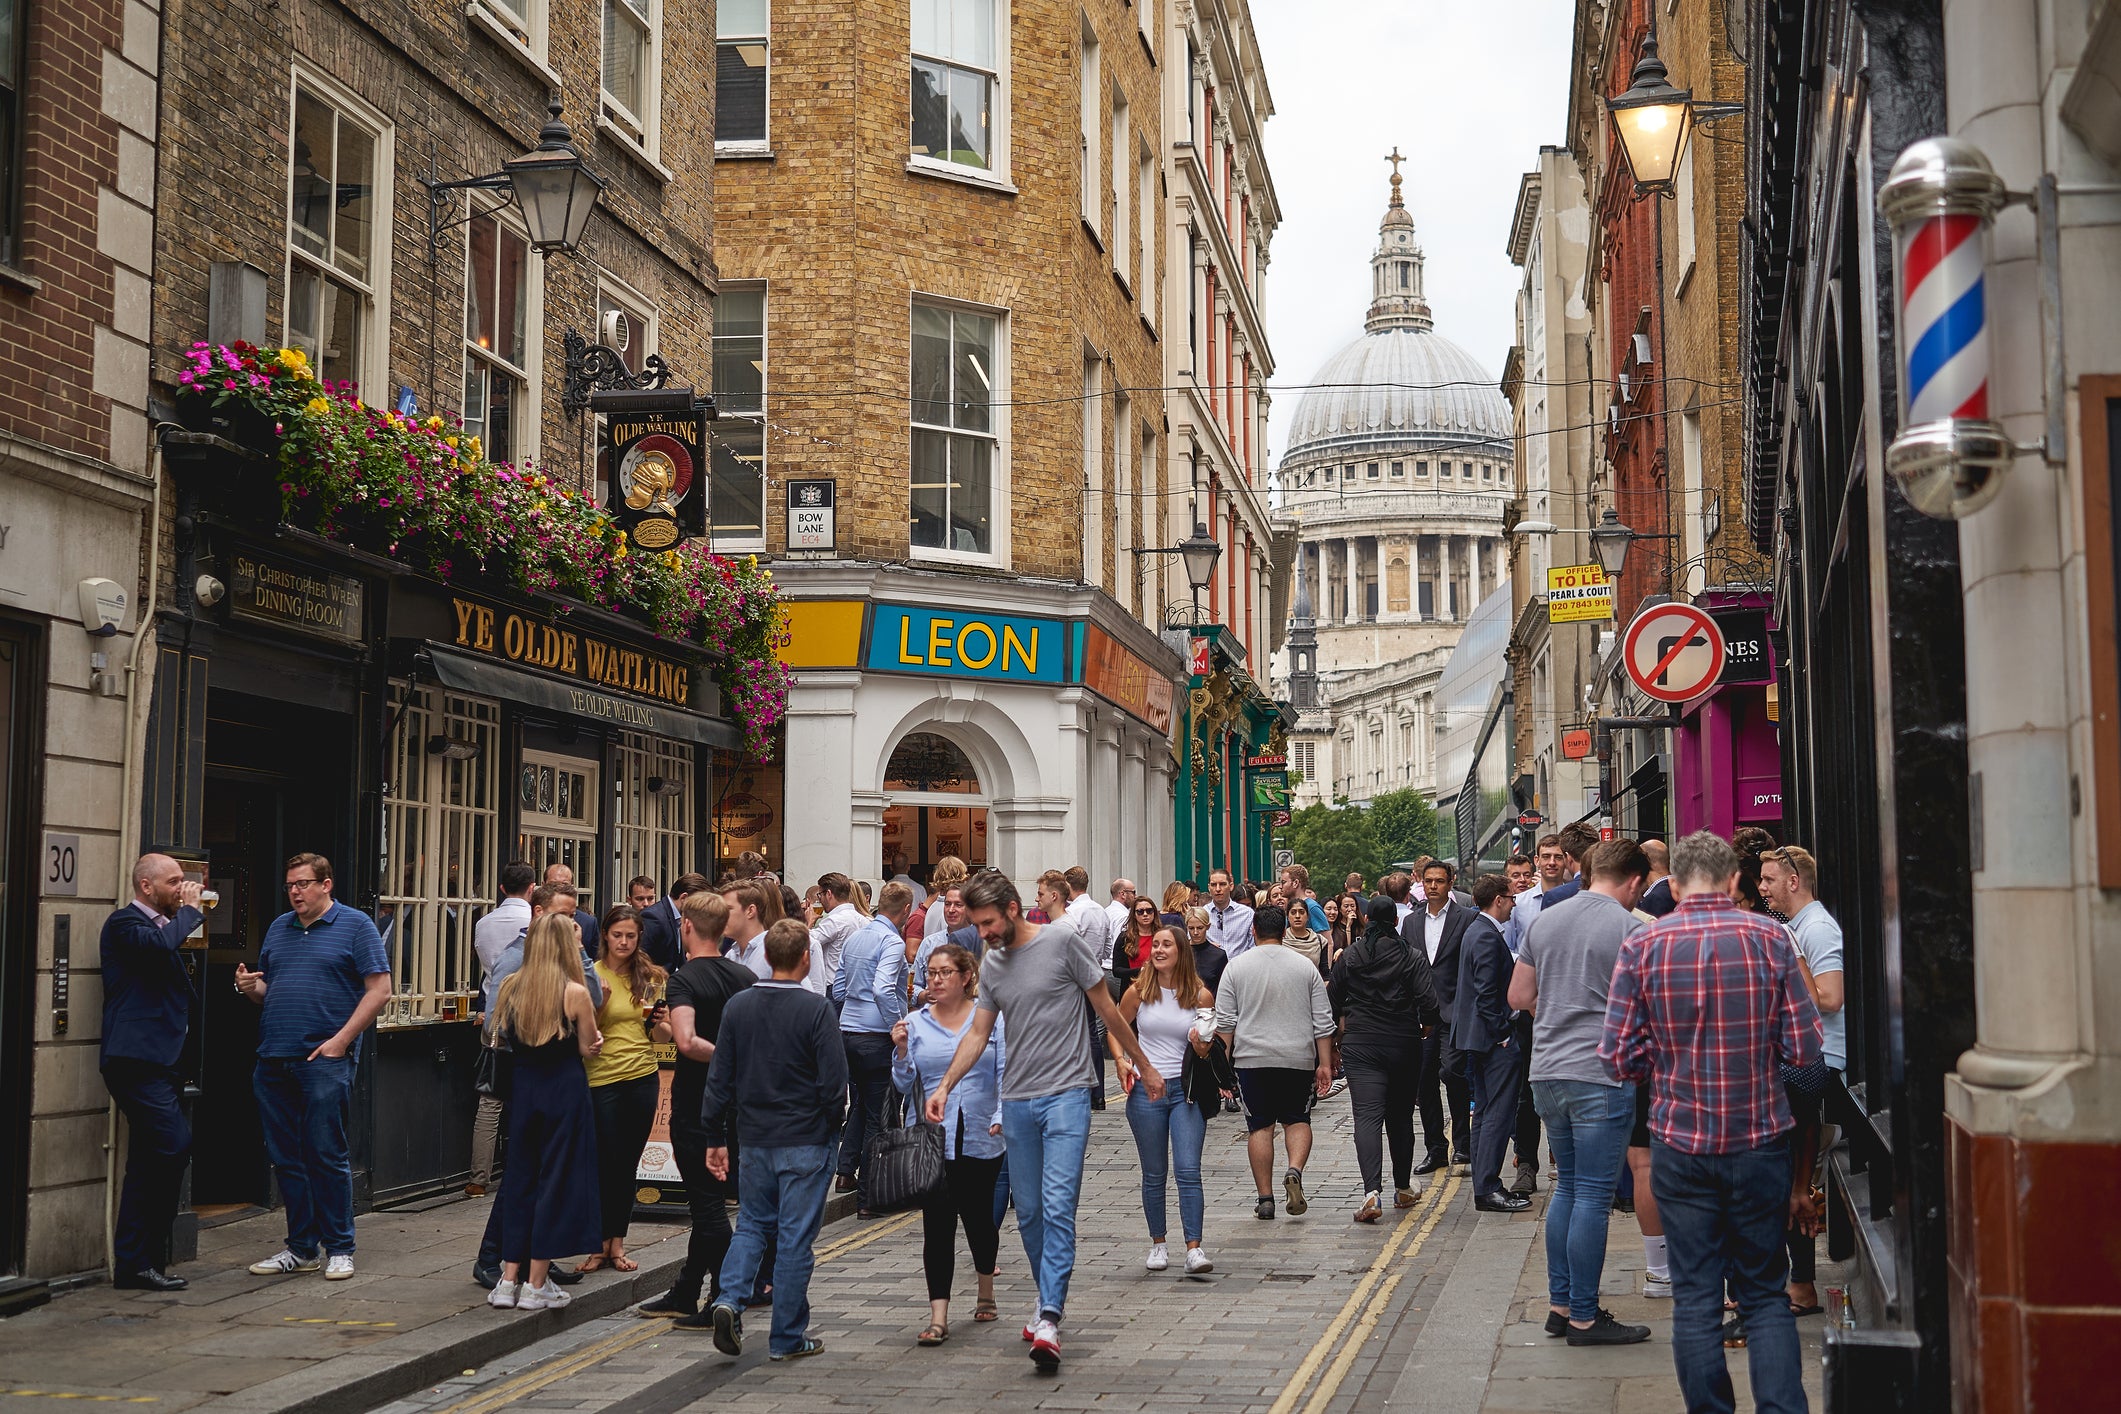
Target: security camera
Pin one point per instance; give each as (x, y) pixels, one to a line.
(102, 606)
(208, 591)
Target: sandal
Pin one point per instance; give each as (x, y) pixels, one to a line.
(986, 1310)
(624, 1264)
(933, 1335)
(592, 1264)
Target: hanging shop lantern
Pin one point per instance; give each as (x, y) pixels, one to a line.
(1950, 455)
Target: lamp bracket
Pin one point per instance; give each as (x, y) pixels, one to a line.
(600, 368)
(441, 196)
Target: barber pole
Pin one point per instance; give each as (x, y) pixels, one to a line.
(1949, 454)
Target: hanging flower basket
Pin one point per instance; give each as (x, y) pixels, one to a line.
(424, 493)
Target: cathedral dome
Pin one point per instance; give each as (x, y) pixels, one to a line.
(1397, 382)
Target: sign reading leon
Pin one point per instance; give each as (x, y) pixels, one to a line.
(1673, 652)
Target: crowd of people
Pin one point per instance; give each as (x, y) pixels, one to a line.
(1667, 1018)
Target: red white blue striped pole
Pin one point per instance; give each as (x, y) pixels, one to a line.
(1949, 453)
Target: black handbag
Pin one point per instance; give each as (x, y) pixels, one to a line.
(902, 1167)
(1203, 1078)
(494, 1075)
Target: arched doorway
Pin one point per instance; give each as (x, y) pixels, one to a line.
(935, 806)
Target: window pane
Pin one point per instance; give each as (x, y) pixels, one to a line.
(740, 351)
(740, 91)
(968, 118)
(625, 58)
(479, 277)
(475, 397)
(931, 109)
(309, 205)
(512, 296)
(738, 490)
(356, 198)
(505, 406)
(740, 17)
(972, 33)
(973, 404)
(931, 365)
(305, 291)
(339, 340)
(931, 26)
(931, 477)
(971, 493)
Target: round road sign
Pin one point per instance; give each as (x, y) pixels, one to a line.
(1674, 652)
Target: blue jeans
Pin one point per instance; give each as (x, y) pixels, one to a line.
(302, 1108)
(1724, 1216)
(780, 1198)
(1168, 1133)
(1587, 1127)
(1046, 1139)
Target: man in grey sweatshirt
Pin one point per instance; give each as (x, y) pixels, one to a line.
(1272, 1012)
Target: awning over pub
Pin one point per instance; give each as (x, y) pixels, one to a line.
(466, 673)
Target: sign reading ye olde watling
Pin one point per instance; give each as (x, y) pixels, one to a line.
(569, 652)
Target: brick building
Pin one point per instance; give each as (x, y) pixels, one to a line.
(944, 227)
(78, 142)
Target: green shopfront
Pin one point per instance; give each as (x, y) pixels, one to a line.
(1232, 791)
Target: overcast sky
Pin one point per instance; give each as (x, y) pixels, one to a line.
(1468, 92)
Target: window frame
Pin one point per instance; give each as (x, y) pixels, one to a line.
(643, 131)
(762, 145)
(14, 151)
(736, 542)
(420, 789)
(997, 170)
(532, 372)
(1120, 156)
(1091, 124)
(997, 552)
(372, 366)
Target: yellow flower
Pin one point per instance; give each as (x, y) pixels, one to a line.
(619, 551)
(477, 448)
(316, 407)
(296, 363)
(434, 424)
(450, 442)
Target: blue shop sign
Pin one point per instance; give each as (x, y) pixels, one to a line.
(947, 643)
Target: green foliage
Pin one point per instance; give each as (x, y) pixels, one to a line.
(1333, 842)
(1405, 824)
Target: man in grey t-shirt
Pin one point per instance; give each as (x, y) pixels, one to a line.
(1564, 971)
(1273, 1014)
(1038, 976)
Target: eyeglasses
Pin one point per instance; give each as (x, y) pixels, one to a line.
(1149, 910)
(935, 972)
(297, 885)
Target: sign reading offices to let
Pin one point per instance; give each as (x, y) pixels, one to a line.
(1578, 594)
(1009, 647)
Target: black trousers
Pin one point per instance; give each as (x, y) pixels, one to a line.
(1497, 1074)
(1443, 1077)
(868, 1085)
(968, 1199)
(157, 1147)
(708, 1198)
(625, 1112)
(1527, 1140)
(1805, 1109)
(1382, 1072)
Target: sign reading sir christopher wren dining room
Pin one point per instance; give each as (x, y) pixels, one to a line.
(569, 652)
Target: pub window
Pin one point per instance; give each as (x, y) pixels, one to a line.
(741, 51)
(737, 491)
(14, 31)
(632, 77)
(441, 847)
(956, 452)
(335, 178)
(652, 792)
(498, 330)
(556, 817)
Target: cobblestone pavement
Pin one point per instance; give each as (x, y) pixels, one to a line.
(1301, 1316)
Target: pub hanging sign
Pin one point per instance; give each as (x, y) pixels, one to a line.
(654, 447)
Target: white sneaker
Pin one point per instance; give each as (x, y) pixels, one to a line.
(504, 1294)
(537, 1298)
(1340, 1083)
(338, 1268)
(1657, 1288)
(1159, 1257)
(283, 1263)
(1197, 1262)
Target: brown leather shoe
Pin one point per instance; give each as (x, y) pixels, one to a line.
(474, 1190)
(1405, 1198)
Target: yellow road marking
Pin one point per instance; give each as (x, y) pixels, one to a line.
(531, 1381)
(1372, 1313)
(328, 1321)
(91, 1398)
(1434, 1201)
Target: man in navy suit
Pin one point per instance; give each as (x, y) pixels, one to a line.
(659, 923)
(147, 997)
(1483, 1028)
(1437, 927)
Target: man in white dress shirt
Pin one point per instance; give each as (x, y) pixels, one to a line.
(505, 922)
(835, 894)
(1089, 916)
(1229, 920)
(1122, 904)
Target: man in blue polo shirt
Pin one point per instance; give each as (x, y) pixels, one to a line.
(322, 977)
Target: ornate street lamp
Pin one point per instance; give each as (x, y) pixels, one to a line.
(555, 191)
(1654, 120)
(1200, 552)
(1609, 542)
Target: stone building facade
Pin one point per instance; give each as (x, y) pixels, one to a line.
(77, 494)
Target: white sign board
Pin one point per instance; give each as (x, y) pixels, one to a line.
(1283, 858)
(810, 515)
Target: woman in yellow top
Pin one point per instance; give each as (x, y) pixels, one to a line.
(623, 1086)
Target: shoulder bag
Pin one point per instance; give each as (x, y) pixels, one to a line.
(903, 1167)
(494, 1074)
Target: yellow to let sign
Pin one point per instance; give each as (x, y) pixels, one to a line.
(1578, 594)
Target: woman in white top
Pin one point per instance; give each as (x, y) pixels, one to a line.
(925, 1043)
(1170, 1011)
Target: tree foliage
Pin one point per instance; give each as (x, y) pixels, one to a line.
(1405, 824)
(1334, 841)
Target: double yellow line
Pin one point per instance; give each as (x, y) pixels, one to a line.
(597, 1351)
(1363, 1309)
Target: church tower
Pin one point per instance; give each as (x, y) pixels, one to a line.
(1395, 270)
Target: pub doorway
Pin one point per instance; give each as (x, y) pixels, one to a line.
(277, 777)
(21, 791)
(935, 808)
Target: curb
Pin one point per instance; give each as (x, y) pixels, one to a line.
(361, 1380)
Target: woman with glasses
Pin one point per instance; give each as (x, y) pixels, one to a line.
(1174, 1015)
(924, 1045)
(1130, 951)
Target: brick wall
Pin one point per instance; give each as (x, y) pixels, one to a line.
(844, 235)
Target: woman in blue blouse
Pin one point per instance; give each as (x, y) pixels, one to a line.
(925, 1042)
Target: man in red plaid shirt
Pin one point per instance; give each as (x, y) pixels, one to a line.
(1705, 1002)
